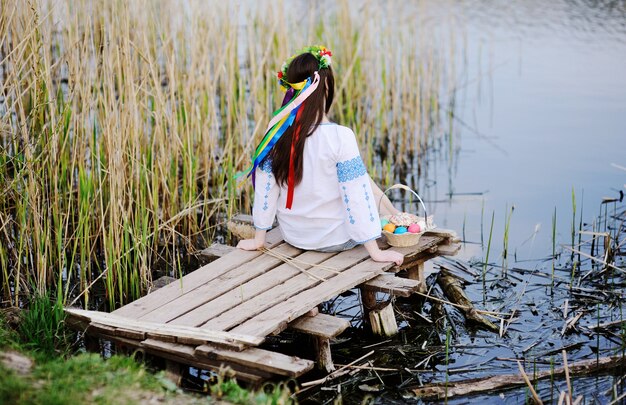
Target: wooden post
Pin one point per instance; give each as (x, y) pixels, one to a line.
(380, 316)
(368, 299)
(173, 372)
(324, 356)
(417, 273)
(92, 343)
(383, 321)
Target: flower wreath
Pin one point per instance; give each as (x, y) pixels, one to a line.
(321, 53)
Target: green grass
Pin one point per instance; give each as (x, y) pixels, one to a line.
(60, 377)
(273, 394)
(42, 327)
(84, 378)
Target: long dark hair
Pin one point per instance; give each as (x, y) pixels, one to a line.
(300, 68)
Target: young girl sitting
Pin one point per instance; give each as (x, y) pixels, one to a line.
(308, 171)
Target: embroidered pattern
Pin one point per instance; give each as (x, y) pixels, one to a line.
(266, 165)
(350, 169)
(347, 201)
(367, 198)
(268, 186)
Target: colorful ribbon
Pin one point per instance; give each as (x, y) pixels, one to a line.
(281, 120)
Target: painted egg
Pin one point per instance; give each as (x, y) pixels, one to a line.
(415, 228)
(383, 222)
(389, 228)
(400, 230)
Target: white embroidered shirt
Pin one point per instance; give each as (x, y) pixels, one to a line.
(334, 201)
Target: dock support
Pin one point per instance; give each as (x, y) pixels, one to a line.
(383, 321)
(324, 357)
(173, 372)
(381, 316)
(417, 273)
(92, 343)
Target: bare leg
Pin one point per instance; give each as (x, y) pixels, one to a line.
(385, 206)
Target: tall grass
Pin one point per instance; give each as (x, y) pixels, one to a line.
(123, 122)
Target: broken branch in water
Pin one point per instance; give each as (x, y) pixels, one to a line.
(452, 288)
(501, 382)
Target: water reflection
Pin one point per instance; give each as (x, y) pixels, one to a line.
(538, 116)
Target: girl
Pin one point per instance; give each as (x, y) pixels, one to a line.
(308, 171)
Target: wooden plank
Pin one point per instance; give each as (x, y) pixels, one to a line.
(240, 291)
(98, 328)
(274, 318)
(129, 333)
(426, 243)
(391, 284)
(448, 250)
(282, 292)
(186, 354)
(218, 286)
(226, 338)
(265, 360)
(322, 325)
(195, 279)
(448, 234)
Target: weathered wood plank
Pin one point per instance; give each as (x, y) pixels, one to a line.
(282, 292)
(218, 286)
(448, 250)
(244, 288)
(274, 318)
(186, 354)
(195, 279)
(448, 234)
(129, 333)
(98, 328)
(322, 325)
(265, 360)
(425, 250)
(224, 338)
(394, 285)
(383, 320)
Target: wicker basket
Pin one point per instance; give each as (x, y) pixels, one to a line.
(405, 239)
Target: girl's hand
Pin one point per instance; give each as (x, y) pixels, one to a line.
(378, 255)
(388, 256)
(249, 244)
(253, 244)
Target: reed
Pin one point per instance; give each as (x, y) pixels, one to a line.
(123, 123)
(505, 239)
(486, 261)
(553, 244)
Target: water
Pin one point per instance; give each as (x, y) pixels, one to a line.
(547, 92)
(541, 112)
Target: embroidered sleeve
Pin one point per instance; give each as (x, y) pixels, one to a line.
(265, 196)
(361, 214)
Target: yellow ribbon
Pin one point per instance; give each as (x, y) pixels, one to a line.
(297, 86)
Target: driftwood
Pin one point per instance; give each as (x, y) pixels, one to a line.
(506, 381)
(454, 291)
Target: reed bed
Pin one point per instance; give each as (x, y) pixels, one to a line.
(122, 123)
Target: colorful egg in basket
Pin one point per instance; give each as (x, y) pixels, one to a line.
(404, 229)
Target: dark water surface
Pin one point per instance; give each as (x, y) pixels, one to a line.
(540, 111)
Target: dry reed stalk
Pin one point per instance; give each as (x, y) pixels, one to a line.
(529, 384)
(118, 116)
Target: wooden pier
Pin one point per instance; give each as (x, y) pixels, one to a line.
(220, 314)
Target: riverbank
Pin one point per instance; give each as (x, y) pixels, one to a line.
(36, 373)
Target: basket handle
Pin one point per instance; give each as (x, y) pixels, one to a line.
(407, 188)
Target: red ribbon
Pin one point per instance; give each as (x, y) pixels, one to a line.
(291, 179)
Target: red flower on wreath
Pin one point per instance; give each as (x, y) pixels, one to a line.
(280, 75)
